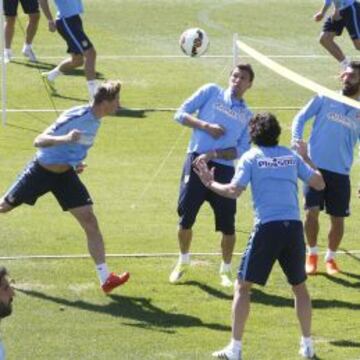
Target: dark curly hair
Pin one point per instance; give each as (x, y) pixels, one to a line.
(264, 129)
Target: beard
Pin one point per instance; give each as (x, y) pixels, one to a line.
(350, 90)
(5, 310)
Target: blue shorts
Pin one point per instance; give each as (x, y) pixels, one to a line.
(335, 198)
(350, 18)
(71, 30)
(36, 181)
(193, 194)
(275, 240)
(29, 7)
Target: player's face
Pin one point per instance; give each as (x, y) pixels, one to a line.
(239, 82)
(6, 297)
(350, 82)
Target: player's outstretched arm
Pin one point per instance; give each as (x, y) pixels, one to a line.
(46, 140)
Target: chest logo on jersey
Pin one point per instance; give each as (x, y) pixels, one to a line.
(343, 119)
(227, 111)
(276, 162)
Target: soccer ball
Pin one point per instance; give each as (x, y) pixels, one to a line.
(194, 42)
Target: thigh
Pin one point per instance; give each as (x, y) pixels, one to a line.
(337, 194)
(260, 254)
(70, 192)
(224, 208)
(30, 6)
(313, 198)
(192, 194)
(292, 255)
(32, 183)
(351, 16)
(72, 32)
(10, 7)
(332, 26)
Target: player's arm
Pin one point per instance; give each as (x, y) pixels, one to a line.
(322, 12)
(206, 175)
(184, 114)
(304, 115)
(225, 154)
(309, 173)
(47, 139)
(47, 12)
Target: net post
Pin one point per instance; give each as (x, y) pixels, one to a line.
(235, 50)
(3, 65)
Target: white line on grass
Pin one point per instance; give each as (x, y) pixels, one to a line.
(151, 109)
(117, 57)
(157, 172)
(136, 255)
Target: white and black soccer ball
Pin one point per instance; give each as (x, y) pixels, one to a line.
(194, 42)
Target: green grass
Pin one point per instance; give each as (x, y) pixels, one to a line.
(133, 176)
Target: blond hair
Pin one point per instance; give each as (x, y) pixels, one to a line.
(107, 91)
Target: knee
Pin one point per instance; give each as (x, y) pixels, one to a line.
(10, 21)
(325, 39)
(357, 44)
(4, 206)
(90, 54)
(78, 60)
(242, 287)
(34, 18)
(312, 216)
(89, 222)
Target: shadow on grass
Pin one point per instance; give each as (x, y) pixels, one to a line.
(258, 296)
(345, 343)
(341, 281)
(43, 66)
(139, 309)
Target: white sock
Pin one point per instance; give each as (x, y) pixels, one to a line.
(224, 267)
(7, 51)
(92, 87)
(27, 46)
(330, 255)
(313, 250)
(53, 74)
(345, 63)
(103, 272)
(184, 258)
(235, 344)
(306, 341)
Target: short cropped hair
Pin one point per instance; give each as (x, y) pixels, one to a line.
(264, 129)
(3, 273)
(246, 67)
(107, 91)
(355, 65)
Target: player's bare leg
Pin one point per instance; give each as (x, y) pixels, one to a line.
(327, 40)
(311, 227)
(227, 247)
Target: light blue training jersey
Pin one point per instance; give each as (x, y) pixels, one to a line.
(335, 132)
(217, 106)
(272, 173)
(67, 8)
(2, 351)
(339, 4)
(80, 118)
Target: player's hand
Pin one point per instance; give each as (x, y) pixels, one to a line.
(301, 148)
(52, 25)
(203, 157)
(318, 16)
(79, 168)
(206, 176)
(215, 130)
(73, 136)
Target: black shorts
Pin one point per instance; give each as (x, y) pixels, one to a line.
(275, 240)
(71, 30)
(350, 18)
(193, 194)
(36, 181)
(29, 7)
(335, 198)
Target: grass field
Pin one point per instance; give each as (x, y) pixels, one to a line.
(133, 175)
